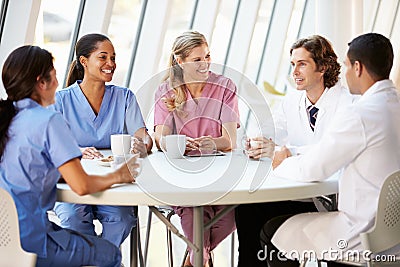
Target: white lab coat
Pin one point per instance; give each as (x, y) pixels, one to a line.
(365, 140)
(292, 126)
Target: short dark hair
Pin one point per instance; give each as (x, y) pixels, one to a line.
(323, 55)
(375, 52)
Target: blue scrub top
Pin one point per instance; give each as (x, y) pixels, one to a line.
(39, 142)
(119, 113)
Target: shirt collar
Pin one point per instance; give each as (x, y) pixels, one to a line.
(377, 86)
(308, 102)
(25, 103)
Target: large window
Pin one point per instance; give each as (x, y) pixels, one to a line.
(143, 38)
(258, 40)
(283, 77)
(122, 32)
(179, 21)
(55, 25)
(3, 10)
(222, 31)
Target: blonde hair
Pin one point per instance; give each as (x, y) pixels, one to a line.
(182, 47)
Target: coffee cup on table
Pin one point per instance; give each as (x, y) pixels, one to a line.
(175, 145)
(256, 144)
(120, 144)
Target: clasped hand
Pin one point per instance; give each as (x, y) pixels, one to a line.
(139, 147)
(280, 155)
(201, 143)
(128, 171)
(260, 147)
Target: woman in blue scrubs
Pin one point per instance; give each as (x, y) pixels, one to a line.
(36, 146)
(94, 111)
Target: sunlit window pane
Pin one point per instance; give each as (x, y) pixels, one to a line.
(385, 17)
(283, 75)
(258, 39)
(222, 31)
(2, 13)
(55, 25)
(122, 32)
(179, 21)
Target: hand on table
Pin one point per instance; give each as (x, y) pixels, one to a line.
(260, 147)
(205, 143)
(280, 155)
(90, 153)
(128, 171)
(191, 144)
(139, 147)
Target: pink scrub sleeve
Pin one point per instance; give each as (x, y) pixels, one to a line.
(230, 110)
(217, 105)
(161, 114)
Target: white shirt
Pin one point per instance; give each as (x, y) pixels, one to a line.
(292, 127)
(364, 140)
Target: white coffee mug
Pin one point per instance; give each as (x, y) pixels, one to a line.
(254, 143)
(120, 144)
(175, 145)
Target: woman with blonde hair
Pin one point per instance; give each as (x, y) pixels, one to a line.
(202, 105)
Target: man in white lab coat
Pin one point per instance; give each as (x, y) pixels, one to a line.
(364, 140)
(315, 71)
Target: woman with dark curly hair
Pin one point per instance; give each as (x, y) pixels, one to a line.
(299, 122)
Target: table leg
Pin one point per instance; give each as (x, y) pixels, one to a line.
(134, 247)
(198, 235)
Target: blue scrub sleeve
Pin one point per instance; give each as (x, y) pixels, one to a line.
(133, 119)
(61, 145)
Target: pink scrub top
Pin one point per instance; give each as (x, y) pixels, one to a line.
(203, 116)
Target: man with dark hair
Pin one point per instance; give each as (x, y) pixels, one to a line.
(300, 121)
(366, 50)
(363, 141)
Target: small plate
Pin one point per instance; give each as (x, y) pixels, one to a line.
(106, 162)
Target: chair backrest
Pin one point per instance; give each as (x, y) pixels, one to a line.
(11, 252)
(386, 231)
